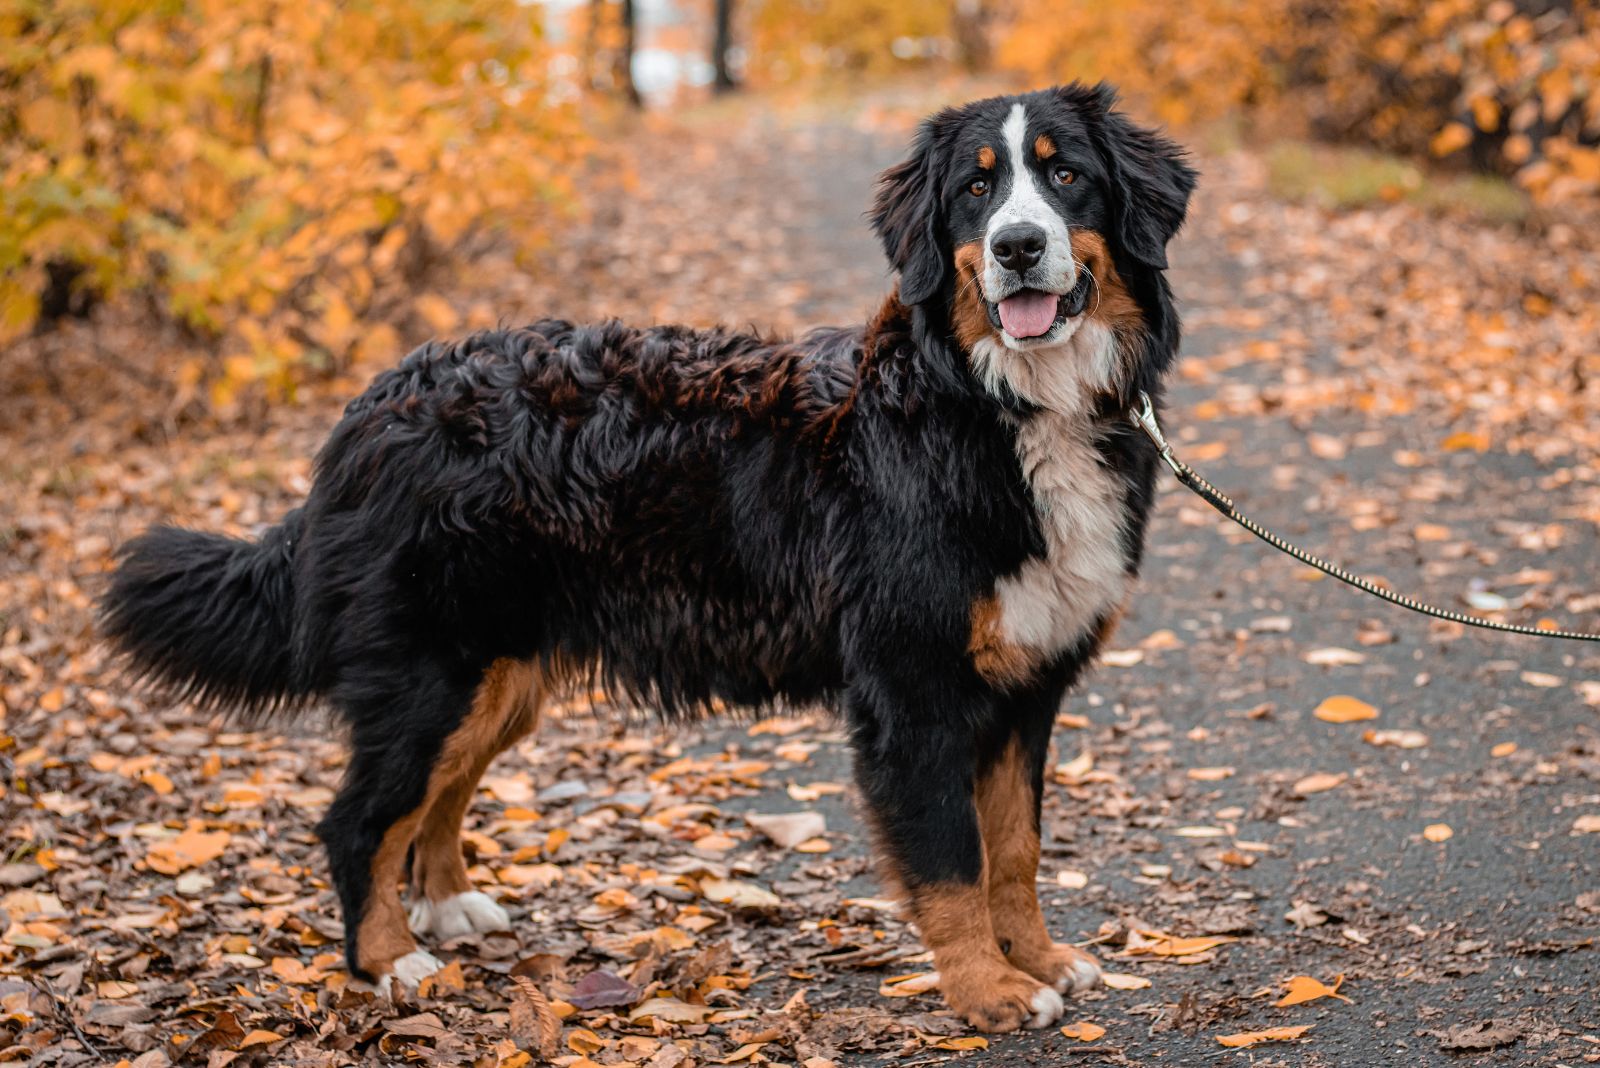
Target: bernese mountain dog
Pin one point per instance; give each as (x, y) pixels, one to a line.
(929, 522)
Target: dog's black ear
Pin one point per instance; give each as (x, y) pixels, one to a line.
(906, 215)
(1150, 176)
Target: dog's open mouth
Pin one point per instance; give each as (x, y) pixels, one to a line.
(1030, 313)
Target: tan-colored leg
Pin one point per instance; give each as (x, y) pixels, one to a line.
(504, 710)
(1008, 817)
(979, 984)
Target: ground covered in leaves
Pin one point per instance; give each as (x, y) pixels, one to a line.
(1291, 820)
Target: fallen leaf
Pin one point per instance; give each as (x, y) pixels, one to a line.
(670, 1010)
(906, 986)
(1122, 981)
(1271, 1034)
(601, 989)
(788, 829)
(1343, 709)
(961, 1044)
(1438, 832)
(1121, 657)
(1540, 679)
(1319, 782)
(1303, 988)
(1396, 738)
(1589, 824)
(1504, 749)
(1084, 1032)
(739, 894)
(1490, 1034)
(1335, 657)
(192, 848)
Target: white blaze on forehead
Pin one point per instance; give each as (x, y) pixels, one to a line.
(1026, 202)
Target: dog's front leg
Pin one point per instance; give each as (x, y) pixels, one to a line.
(917, 774)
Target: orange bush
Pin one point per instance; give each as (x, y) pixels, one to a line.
(257, 166)
(1517, 92)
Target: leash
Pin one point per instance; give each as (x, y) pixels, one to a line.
(1144, 417)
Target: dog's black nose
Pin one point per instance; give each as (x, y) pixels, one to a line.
(1018, 246)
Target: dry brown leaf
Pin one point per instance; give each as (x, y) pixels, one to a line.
(788, 829)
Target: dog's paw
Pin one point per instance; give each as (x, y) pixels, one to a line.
(1003, 1001)
(1068, 969)
(408, 971)
(473, 912)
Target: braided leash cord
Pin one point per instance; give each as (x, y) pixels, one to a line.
(1145, 418)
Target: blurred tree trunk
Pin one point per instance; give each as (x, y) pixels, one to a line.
(969, 24)
(721, 42)
(591, 43)
(624, 60)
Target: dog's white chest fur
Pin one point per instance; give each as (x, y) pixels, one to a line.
(1054, 601)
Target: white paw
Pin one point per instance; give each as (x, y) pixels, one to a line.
(410, 970)
(1083, 975)
(473, 912)
(1047, 1007)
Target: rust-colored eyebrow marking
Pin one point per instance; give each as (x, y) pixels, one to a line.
(986, 158)
(1043, 146)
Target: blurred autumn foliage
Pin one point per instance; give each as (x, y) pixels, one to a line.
(259, 170)
(277, 179)
(1513, 86)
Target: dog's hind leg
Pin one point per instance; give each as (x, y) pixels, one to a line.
(412, 738)
(444, 903)
(1008, 796)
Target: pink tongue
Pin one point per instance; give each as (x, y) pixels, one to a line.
(1029, 313)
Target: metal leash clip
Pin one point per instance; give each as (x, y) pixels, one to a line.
(1144, 417)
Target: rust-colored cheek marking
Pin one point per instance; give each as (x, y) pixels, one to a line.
(1112, 304)
(1002, 663)
(969, 318)
(1044, 147)
(986, 158)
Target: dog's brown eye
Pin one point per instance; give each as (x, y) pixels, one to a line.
(978, 188)
(1065, 175)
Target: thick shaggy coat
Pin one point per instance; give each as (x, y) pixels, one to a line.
(929, 522)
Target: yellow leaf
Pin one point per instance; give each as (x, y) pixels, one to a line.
(1084, 1032)
(960, 1044)
(1453, 138)
(1121, 981)
(1504, 749)
(1342, 709)
(259, 1038)
(1303, 988)
(905, 986)
(190, 849)
(1271, 1034)
(1465, 439)
(1438, 832)
(584, 1041)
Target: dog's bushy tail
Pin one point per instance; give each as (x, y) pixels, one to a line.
(210, 619)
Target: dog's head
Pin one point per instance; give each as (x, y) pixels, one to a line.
(1027, 219)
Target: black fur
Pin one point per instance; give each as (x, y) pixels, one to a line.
(704, 515)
